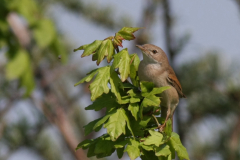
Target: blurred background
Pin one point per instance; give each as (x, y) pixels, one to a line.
(42, 114)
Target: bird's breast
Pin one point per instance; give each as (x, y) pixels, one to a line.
(153, 73)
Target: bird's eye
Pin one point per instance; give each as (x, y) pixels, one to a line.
(154, 51)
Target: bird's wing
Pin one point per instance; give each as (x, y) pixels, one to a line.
(172, 79)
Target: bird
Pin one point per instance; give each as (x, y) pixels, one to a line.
(155, 68)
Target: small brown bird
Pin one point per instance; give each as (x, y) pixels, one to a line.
(155, 68)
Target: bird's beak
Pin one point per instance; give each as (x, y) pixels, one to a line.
(140, 47)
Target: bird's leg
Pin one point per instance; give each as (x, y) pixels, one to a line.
(161, 127)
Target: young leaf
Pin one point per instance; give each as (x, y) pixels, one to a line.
(117, 41)
(163, 150)
(122, 61)
(155, 138)
(127, 33)
(99, 85)
(89, 48)
(134, 108)
(116, 83)
(133, 149)
(105, 50)
(83, 47)
(116, 124)
(177, 145)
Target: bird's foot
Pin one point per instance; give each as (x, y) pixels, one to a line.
(161, 127)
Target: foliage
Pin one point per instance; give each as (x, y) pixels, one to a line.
(20, 56)
(130, 107)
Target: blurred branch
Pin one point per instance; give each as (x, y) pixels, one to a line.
(19, 29)
(234, 141)
(168, 29)
(169, 40)
(238, 3)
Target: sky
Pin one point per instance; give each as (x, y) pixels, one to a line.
(214, 25)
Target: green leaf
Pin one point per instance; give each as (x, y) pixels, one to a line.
(168, 128)
(134, 93)
(146, 86)
(104, 147)
(84, 144)
(134, 68)
(171, 149)
(89, 76)
(91, 149)
(126, 99)
(121, 144)
(144, 121)
(134, 108)
(122, 61)
(155, 138)
(44, 33)
(105, 50)
(117, 41)
(177, 145)
(120, 152)
(83, 47)
(18, 65)
(89, 127)
(129, 125)
(163, 150)
(89, 48)
(100, 83)
(116, 124)
(104, 119)
(148, 155)
(116, 83)
(151, 100)
(105, 100)
(133, 149)
(159, 90)
(147, 148)
(127, 33)
(131, 29)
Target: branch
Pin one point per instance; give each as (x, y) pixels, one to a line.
(19, 29)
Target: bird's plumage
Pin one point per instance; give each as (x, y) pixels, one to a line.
(155, 68)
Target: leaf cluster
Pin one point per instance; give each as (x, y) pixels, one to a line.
(131, 107)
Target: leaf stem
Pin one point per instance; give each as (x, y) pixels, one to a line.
(156, 119)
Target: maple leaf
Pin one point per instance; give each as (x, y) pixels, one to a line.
(122, 61)
(99, 85)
